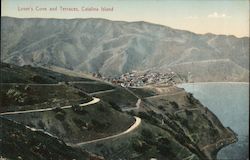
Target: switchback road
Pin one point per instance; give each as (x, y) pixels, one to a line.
(93, 101)
(130, 129)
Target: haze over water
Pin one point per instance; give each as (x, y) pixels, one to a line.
(230, 103)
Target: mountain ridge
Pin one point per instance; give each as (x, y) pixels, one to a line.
(152, 23)
(114, 47)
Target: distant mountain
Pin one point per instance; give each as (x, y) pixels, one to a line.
(116, 47)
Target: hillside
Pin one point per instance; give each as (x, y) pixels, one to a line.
(115, 47)
(32, 75)
(162, 122)
(175, 126)
(56, 108)
(20, 142)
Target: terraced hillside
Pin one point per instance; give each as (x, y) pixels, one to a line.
(57, 107)
(162, 122)
(175, 126)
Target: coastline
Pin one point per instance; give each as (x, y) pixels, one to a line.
(213, 150)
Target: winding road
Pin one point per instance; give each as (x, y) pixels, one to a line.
(93, 101)
(138, 103)
(131, 128)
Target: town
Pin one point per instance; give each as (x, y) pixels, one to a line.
(142, 78)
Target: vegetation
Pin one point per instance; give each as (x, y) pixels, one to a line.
(140, 146)
(173, 127)
(14, 96)
(119, 97)
(174, 105)
(29, 74)
(60, 115)
(19, 142)
(191, 99)
(143, 92)
(115, 106)
(93, 87)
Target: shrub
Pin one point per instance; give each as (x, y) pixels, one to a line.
(115, 106)
(60, 116)
(191, 98)
(148, 117)
(165, 148)
(140, 146)
(100, 125)
(132, 113)
(161, 107)
(39, 79)
(174, 105)
(146, 134)
(101, 108)
(189, 113)
(79, 110)
(41, 124)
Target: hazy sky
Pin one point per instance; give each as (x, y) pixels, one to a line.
(199, 16)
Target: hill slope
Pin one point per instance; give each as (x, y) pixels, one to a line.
(20, 142)
(114, 47)
(163, 122)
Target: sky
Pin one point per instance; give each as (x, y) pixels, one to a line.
(229, 17)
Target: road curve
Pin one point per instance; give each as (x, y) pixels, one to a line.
(133, 127)
(138, 103)
(93, 101)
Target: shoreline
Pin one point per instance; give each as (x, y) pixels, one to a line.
(213, 150)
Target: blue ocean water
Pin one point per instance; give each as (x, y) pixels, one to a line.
(230, 103)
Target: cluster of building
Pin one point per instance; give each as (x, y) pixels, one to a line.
(139, 79)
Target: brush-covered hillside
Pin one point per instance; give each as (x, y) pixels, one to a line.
(115, 47)
(64, 116)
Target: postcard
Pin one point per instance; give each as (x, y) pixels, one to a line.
(124, 80)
